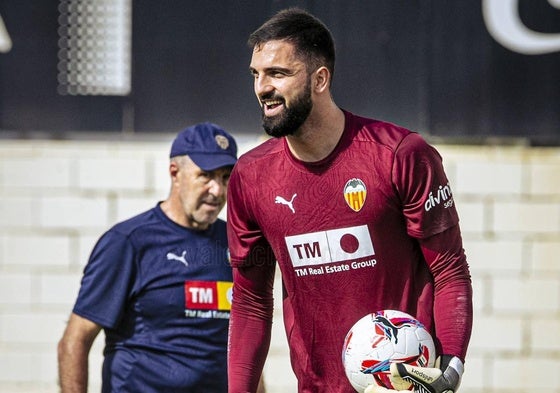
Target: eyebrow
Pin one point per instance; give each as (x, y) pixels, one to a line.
(288, 71)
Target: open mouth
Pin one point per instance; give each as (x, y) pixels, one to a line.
(272, 107)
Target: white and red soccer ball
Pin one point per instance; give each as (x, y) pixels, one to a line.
(380, 338)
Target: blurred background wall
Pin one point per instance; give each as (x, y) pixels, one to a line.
(92, 93)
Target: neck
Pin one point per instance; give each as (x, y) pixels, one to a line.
(318, 136)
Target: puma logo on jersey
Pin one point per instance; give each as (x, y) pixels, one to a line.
(290, 203)
(181, 258)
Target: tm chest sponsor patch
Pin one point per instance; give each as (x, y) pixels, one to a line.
(208, 299)
(310, 251)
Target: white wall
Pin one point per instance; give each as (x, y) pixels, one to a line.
(57, 197)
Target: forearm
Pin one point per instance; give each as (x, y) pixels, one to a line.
(249, 344)
(73, 352)
(453, 316)
(250, 327)
(453, 291)
(72, 367)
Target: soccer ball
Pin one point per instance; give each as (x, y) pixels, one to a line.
(380, 338)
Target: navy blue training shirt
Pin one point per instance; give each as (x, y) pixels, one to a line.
(162, 293)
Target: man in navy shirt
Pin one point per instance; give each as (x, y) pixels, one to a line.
(160, 284)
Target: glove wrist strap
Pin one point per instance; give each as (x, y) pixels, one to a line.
(457, 365)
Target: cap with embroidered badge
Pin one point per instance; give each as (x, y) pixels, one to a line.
(207, 144)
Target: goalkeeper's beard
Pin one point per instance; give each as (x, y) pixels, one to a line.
(291, 119)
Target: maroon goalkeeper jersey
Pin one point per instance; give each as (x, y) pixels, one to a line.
(346, 233)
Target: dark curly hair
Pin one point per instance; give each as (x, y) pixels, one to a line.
(312, 39)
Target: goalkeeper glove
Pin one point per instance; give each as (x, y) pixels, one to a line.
(444, 378)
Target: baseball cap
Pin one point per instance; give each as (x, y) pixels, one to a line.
(208, 145)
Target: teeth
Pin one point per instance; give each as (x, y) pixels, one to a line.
(271, 103)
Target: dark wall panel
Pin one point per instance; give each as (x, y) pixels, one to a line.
(479, 88)
(28, 77)
(430, 65)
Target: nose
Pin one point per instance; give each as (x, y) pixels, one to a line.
(217, 187)
(262, 86)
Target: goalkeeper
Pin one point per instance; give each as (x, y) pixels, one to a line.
(357, 213)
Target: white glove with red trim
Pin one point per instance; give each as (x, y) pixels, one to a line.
(445, 377)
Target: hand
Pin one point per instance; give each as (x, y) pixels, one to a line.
(381, 389)
(444, 378)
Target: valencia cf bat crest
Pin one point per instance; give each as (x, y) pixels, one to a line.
(355, 194)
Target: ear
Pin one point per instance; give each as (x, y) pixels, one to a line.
(173, 170)
(322, 80)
